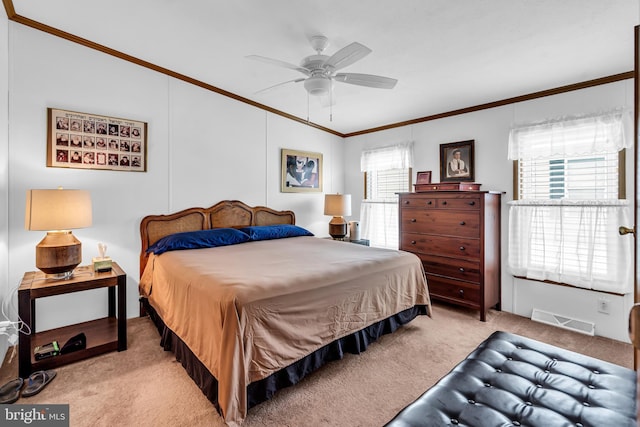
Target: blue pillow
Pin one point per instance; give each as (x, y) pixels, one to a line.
(198, 239)
(276, 231)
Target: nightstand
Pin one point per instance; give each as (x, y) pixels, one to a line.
(364, 242)
(103, 335)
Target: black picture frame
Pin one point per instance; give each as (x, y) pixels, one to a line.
(461, 171)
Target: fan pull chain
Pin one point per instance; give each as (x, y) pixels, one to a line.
(331, 102)
(307, 107)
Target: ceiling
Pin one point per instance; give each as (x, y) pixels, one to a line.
(446, 55)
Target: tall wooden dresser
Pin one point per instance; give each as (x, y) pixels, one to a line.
(456, 234)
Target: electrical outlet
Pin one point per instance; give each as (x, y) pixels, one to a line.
(603, 305)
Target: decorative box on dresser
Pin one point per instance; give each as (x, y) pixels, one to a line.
(456, 234)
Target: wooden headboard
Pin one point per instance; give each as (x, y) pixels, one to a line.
(227, 213)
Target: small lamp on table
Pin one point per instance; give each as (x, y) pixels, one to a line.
(57, 212)
(338, 206)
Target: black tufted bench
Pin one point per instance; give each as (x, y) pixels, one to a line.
(509, 380)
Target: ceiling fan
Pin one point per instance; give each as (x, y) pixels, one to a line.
(321, 70)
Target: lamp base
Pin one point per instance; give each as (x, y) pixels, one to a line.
(60, 276)
(58, 254)
(338, 228)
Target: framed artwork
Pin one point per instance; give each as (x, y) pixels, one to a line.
(89, 141)
(423, 177)
(301, 172)
(456, 161)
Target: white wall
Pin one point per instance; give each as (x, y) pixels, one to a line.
(490, 130)
(4, 171)
(202, 148)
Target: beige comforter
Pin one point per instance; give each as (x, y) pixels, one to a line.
(251, 309)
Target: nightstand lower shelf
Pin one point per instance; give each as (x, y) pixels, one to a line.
(102, 337)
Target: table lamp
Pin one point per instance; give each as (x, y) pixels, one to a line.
(338, 206)
(57, 212)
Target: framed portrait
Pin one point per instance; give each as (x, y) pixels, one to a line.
(301, 172)
(90, 141)
(456, 161)
(423, 177)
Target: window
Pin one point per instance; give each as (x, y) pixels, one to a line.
(564, 227)
(590, 177)
(387, 172)
(383, 185)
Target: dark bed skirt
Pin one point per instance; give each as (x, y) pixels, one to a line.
(259, 391)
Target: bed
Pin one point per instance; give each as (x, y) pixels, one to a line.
(247, 316)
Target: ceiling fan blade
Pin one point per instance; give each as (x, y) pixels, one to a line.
(347, 56)
(369, 80)
(279, 63)
(279, 84)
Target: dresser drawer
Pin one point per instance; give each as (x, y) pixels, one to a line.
(456, 268)
(450, 290)
(466, 248)
(455, 223)
(467, 203)
(418, 202)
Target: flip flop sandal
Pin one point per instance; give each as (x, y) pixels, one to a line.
(10, 392)
(37, 381)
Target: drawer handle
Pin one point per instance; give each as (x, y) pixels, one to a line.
(471, 203)
(461, 292)
(429, 202)
(461, 270)
(462, 248)
(462, 223)
(444, 203)
(413, 242)
(406, 202)
(413, 220)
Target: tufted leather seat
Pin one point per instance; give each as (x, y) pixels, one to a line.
(509, 380)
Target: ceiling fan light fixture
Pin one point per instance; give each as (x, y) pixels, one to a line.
(317, 85)
(320, 70)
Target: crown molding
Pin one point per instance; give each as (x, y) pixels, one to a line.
(13, 16)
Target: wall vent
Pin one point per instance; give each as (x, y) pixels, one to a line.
(564, 322)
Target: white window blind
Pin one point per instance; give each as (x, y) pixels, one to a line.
(387, 172)
(564, 227)
(590, 177)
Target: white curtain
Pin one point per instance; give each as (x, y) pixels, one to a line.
(399, 156)
(572, 242)
(379, 217)
(569, 136)
(380, 223)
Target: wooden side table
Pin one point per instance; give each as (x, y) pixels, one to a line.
(364, 242)
(103, 335)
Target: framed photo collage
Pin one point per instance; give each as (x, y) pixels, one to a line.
(90, 141)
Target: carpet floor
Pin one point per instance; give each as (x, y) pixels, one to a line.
(145, 386)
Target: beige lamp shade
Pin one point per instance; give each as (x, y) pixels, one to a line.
(57, 212)
(57, 209)
(337, 205)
